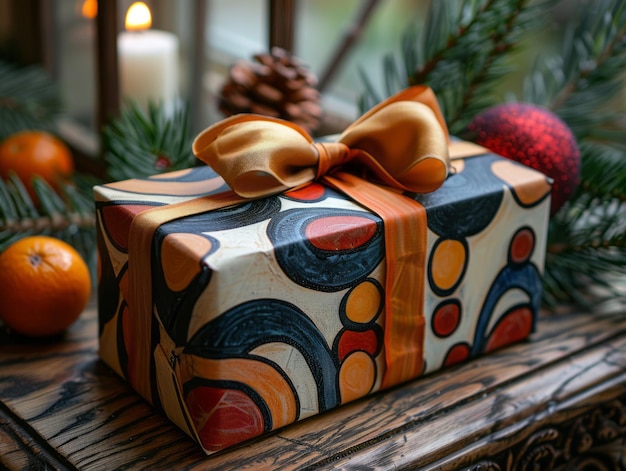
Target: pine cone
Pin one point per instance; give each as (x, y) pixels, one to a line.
(276, 85)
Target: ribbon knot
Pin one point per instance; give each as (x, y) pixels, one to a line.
(331, 155)
(402, 142)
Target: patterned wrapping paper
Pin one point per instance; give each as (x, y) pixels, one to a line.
(272, 311)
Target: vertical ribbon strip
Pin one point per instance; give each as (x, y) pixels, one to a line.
(404, 223)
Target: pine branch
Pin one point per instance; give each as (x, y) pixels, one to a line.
(137, 145)
(67, 215)
(29, 99)
(589, 71)
(587, 238)
(461, 54)
(603, 172)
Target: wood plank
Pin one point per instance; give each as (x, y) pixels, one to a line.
(505, 411)
(68, 409)
(19, 450)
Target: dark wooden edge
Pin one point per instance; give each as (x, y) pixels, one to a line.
(282, 15)
(32, 449)
(107, 66)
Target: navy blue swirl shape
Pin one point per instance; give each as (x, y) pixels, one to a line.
(467, 201)
(312, 267)
(526, 278)
(251, 324)
(233, 217)
(175, 308)
(108, 285)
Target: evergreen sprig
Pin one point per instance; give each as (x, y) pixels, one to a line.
(139, 144)
(587, 238)
(29, 99)
(461, 53)
(587, 74)
(66, 214)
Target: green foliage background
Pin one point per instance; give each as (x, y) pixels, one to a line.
(464, 50)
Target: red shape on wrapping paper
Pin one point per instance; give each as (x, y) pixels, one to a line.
(117, 219)
(512, 327)
(446, 319)
(457, 354)
(522, 245)
(336, 233)
(223, 417)
(352, 341)
(310, 192)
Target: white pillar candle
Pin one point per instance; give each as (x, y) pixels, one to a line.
(148, 65)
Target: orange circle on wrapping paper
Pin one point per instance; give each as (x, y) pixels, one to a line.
(356, 376)
(179, 270)
(522, 245)
(447, 264)
(363, 303)
(526, 186)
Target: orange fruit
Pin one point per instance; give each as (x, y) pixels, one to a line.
(30, 153)
(44, 286)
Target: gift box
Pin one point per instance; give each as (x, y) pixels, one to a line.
(238, 316)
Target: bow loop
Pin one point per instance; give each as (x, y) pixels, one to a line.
(404, 145)
(403, 142)
(258, 155)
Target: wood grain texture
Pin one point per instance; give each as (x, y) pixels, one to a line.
(62, 408)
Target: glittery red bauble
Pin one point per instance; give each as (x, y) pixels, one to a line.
(535, 137)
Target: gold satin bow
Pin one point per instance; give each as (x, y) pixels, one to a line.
(403, 142)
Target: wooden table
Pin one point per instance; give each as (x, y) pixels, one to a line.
(557, 401)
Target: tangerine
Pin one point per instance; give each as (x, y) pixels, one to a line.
(44, 286)
(30, 153)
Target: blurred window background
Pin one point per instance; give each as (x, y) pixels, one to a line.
(213, 34)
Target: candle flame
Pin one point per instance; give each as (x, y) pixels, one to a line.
(138, 17)
(89, 9)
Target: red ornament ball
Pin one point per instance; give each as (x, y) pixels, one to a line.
(536, 137)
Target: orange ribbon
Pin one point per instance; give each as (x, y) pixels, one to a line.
(402, 143)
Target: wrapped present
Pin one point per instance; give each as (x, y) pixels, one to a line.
(308, 274)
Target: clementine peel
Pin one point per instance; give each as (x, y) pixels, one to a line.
(30, 153)
(44, 286)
